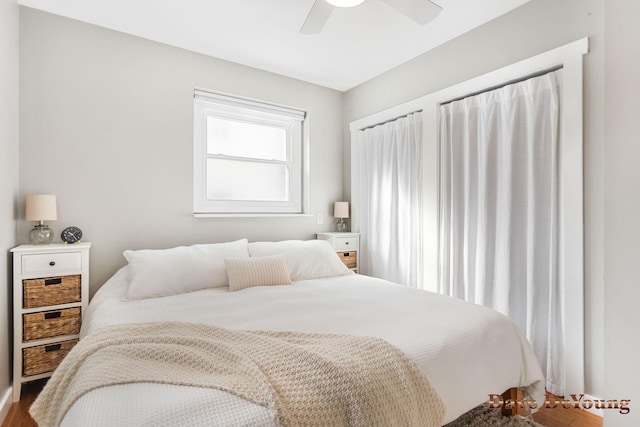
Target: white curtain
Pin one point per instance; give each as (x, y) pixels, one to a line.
(499, 216)
(389, 200)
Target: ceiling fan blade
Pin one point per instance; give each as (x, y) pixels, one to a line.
(317, 17)
(421, 11)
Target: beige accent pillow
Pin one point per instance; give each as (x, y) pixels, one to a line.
(259, 271)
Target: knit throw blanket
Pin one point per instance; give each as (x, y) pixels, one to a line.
(307, 379)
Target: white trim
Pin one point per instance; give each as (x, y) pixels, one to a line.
(5, 404)
(243, 103)
(306, 166)
(569, 57)
(572, 211)
(250, 215)
(594, 411)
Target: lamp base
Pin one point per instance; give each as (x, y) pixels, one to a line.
(341, 225)
(40, 235)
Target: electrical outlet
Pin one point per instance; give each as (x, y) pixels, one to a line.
(320, 219)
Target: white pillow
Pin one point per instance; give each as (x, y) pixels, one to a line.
(259, 271)
(306, 259)
(160, 272)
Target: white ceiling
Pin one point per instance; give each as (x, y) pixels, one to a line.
(356, 44)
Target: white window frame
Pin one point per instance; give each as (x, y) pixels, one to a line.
(208, 104)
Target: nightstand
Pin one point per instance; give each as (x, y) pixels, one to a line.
(347, 245)
(50, 296)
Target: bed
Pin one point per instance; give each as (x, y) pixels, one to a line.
(466, 351)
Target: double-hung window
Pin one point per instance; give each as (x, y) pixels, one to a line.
(247, 157)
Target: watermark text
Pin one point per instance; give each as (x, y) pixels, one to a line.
(576, 401)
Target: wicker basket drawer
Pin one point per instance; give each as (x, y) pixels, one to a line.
(44, 358)
(47, 324)
(349, 258)
(51, 291)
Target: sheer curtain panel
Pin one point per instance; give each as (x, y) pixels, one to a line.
(499, 210)
(389, 200)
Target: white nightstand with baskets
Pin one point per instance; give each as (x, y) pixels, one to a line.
(50, 296)
(347, 245)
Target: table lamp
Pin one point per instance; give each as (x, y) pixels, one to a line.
(341, 211)
(41, 208)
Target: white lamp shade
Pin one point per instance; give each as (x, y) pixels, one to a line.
(341, 210)
(41, 207)
(345, 3)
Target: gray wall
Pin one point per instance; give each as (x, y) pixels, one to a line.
(622, 207)
(9, 20)
(535, 27)
(106, 122)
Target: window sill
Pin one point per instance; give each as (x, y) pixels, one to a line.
(252, 215)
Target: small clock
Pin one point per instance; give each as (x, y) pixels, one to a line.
(71, 235)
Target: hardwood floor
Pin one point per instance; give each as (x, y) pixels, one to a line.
(19, 413)
(560, 417)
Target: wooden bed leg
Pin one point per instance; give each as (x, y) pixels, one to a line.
(512, 395)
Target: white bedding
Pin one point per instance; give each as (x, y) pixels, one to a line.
(466, 351)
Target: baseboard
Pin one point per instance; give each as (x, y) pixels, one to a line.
(594, 411)
(5, 403)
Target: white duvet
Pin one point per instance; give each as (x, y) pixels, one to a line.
(466, 351)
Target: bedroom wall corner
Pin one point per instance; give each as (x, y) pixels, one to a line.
(9, 101)
(533, 28)
(106, 123)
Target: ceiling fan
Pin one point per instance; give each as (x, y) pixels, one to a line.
(421, 11)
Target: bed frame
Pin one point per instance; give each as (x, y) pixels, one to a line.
(514, 395)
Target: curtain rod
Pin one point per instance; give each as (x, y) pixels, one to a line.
(522, 79)
(391, 120)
